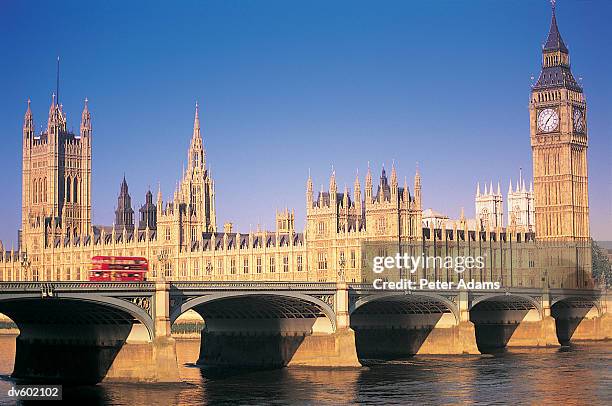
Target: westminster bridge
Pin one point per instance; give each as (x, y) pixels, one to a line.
(90, 331)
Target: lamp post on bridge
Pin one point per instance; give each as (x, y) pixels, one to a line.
(25, 265)
(341, 264)
(162, 257)
(208, 268)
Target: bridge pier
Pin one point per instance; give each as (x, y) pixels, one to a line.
(401, 325)
(534, 332)
(144, 360)
(452, 335)
(272, 336)
(581, 324)
(328, 350)
(333, 349)
(548, 328)
(450, 339)
(276, 350)
(153, 361)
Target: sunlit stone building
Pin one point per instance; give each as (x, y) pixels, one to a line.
(182, 240)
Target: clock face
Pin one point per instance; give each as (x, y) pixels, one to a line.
(548, 120)
(578, 120)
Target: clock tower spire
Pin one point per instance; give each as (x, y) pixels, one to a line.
(557, 112)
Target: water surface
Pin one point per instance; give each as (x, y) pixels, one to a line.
(576, 376)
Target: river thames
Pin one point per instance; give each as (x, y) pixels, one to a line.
(581, 375)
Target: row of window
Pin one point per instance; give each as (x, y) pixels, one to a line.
(67, 274)
(549, 96)
(71, 190)
(342, 263)
(39, 190)
(381, 225)
(234, 266)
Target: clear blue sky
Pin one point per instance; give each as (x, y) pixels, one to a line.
(287, 86)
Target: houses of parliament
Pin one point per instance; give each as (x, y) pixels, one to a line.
(182, 240)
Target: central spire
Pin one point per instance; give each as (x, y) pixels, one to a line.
(196, 121)
(196, 149)
(554, 42)
(556, 71)
(124, 186)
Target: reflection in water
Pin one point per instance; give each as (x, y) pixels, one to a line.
(580, 375)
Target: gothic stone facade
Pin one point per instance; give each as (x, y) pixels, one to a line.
(182, 242)
(557, 116)
(56, 181)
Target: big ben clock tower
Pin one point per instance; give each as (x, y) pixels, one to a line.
(557, 113)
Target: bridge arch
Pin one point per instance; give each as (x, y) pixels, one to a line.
(74, 308)
(272, 304)
(576, 302)
(506, 301)
(395, 325)
(420, 302)
(497, 316)
(73, 336)
(571, 314)
(257, 328)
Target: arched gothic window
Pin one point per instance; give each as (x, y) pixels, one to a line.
(68, 185)
(75, 190)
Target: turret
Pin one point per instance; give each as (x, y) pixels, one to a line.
(309, 190)
(28, 123)
(333, 189)
(417, 189)
(213, 213)
(368, 185)
(384, 191)
(148, 213)
(124, 215)
(85, 121)
(345, 198)
(321, 200)
(357, 189)
(57, 120)
(358, 202)
(393, 183)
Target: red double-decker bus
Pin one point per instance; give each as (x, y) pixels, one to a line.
(118, 269)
